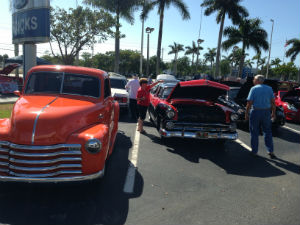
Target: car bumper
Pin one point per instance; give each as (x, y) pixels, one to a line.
(52, 179)
(198, 135)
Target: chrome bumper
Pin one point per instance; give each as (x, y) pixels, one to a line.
(195, 134)
(53, 179)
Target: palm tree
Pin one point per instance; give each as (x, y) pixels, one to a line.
(161, 6)
(232, 9)
(122, 9)
(175, 49)
(250, 34)
(192, 50)
(248, 63)
(275, 62)
(257, 58)
(262, 62)
(210, 57)
(294, 51)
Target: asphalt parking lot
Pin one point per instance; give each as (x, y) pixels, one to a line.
(177, 182)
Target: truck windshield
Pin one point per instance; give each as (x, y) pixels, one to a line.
(74, 84)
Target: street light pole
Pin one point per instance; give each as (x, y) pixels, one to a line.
(148, 31)
(270, 49)
(199, 41)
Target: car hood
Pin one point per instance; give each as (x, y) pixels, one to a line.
(52, 119)
(198, 89)
(117, 91)
(293, 93)
(9, 68)
(245, 89)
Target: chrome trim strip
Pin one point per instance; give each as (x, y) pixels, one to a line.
(186, 134)
(36, 119)
(4, 171)
(201, 124)
(38, 162)
(4, 150)
(41, 147)
(46, 168)
(41, 155)
(46, 175)
(4, 164)
(52, 179)
(4, 157)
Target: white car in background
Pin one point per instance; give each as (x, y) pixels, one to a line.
(118, 91)
(167, 78)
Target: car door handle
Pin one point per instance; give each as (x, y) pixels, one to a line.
(101, 116)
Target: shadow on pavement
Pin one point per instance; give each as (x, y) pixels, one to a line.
(97, 202)
(287, 135)
(231, 157)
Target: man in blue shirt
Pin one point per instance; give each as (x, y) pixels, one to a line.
(261, 102)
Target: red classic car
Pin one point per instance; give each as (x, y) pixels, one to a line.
(191, 109)
(289, 101)
(63, 126)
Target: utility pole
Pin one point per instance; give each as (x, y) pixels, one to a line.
(148, 31)
(270, 49)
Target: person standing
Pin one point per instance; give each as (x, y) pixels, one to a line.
(261, 105)
(143, 101)
(132, 87)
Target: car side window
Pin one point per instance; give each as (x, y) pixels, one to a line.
(107, 91)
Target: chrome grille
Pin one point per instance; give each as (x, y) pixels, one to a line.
(205, 127)
(40, 161)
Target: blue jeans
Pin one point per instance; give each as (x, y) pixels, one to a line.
(261, 118)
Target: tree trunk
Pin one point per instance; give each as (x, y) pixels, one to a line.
(117, 43)
(161, 21)
(193, 59)
(242, 61)
(217, 73)
(175, 64)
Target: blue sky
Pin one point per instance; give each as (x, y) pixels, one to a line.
(285, 14)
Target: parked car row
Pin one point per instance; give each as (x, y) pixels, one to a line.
(64, 125)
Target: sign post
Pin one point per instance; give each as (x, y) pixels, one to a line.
(30, 25)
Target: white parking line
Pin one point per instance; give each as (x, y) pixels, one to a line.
(243, 145)
(130, 178)
(291, 129)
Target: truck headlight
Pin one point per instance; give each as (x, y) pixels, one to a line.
(234, 117)
(93, 146)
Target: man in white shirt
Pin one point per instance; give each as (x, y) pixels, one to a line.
(132, 87)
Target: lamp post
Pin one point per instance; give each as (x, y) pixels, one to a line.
(148, 31)
(199, 41)
(270, 49)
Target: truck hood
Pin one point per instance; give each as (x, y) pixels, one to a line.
(198, 89)
(52, 119)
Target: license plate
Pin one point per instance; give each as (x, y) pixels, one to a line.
(202, 134)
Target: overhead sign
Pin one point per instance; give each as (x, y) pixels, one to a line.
(31, 21)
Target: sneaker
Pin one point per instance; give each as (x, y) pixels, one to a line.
(272, 155)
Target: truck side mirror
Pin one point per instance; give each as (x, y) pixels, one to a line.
(18, 93)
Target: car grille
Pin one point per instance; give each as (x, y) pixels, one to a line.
(204, 127)
(61, 160)
(200, 114)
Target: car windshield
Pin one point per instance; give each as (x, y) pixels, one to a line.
(167, 92)
(117, 83)
(233, 93)
(75, 84)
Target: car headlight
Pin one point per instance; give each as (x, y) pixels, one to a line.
(170, 114)
(93, 146)
(234, 117)
(291, 107)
